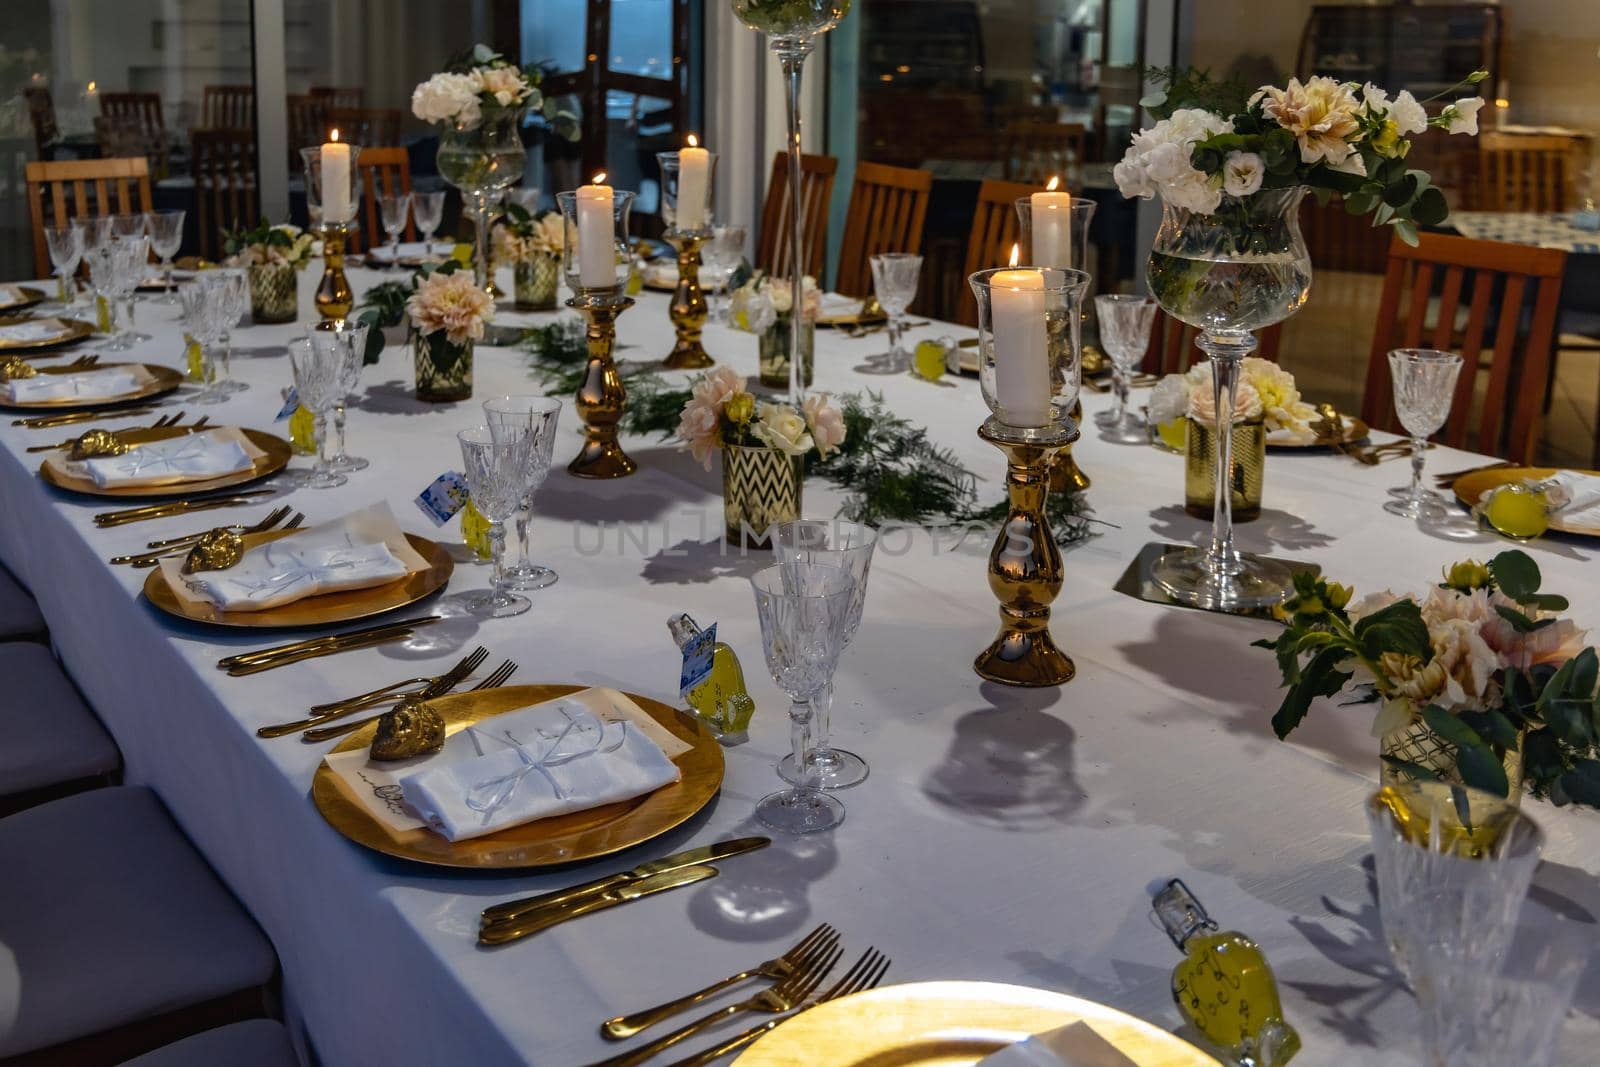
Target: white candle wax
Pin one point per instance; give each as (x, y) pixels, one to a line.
(336, 182)
(694, 187)
(1052, 229)
(597, 253)
(1021, 362)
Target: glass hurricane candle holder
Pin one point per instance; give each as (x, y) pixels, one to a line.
(1073, 227)
(315, 195)
(1030, 343)
(698, 183)
(586, 267)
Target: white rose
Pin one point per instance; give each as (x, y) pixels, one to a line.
(1169, 399)
(1242, 173)
(1246, 404)
(1131, 178)
(1375, 99)
(1195, 193)
(1462, 116)
(1409, 115)
(782, 427)
(1167, 163)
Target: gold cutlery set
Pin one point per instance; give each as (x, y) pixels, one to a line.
(81, 446)
(185, 506)
(267, 659)
(178, 546)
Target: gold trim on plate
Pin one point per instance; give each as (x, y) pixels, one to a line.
(163, 380)
(276, 458)
(582, 835)
(30, 297)
(327, 609)
(77, 330)
(949, 1023)
(1472, 485)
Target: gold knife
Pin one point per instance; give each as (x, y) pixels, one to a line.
(45, 422)
(177, 507)
(720, 850)
(294, 647)
(503, 933)
(351, 645)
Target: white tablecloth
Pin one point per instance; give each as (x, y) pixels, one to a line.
(1004, 834)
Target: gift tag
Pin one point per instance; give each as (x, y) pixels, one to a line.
(697, 653)
(444, 497)
(291, 400)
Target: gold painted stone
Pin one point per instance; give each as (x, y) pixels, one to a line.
(92, 443)
(216, 550)
(411, 729)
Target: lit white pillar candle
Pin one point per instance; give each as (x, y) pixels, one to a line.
(1021, 361)
(694, 185)
(336, 181)
(1052, 227)
(597, 253)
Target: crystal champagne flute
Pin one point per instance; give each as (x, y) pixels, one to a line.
(427, 211)
(66, 252)
(353, 352)
(722, 255)
(394, 210)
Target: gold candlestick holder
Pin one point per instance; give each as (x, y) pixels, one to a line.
(601, 398)
(1065, 474)
(334, 298)
(1025, 564)
(689, 309)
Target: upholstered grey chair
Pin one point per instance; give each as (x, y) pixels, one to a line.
(19, 614)
(255, 1043)
(53, 745)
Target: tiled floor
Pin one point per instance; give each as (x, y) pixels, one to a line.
(1327, 344)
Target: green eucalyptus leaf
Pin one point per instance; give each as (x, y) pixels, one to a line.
(1515, 574)
(1431, 208)
(1320, 678)
(1482, 769)
(1400, 192)
(1406, 230)
(1450, 727)
(1396, 628)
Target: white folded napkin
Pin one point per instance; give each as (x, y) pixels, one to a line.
(187, 458)
(410, 249)
(550, 759)
(1073, 1045)
(661, 272)
(104, 384)
(1583, 490)
(361, 550)
(838, 306)
(11, 294)
(34, 330)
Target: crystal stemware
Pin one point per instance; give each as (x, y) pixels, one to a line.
(198, 314)
(1125, 323)
(129, 225)
(1424, 386)
(427, 211)
(894, 283)
(353, 338)
(66, 252)
(534, 418)
(721, 257)
(496, 477)
(804, 610)
(231, 287)
(394, 210)
(848, 546)
(315, 360)
(166, 238)
(122, 262)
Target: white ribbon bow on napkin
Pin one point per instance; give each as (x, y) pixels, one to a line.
(280, 568)
(549, 748)
(196, 456)
(1581, 493)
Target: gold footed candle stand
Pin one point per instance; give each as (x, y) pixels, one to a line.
(1065, 474)
(334, 298)
(601, 398)
(689, 309)
(1025, 564)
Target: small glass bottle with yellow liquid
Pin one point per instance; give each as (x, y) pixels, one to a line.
(718, 696)
(475, 532)
(1223, 986)
(1518, 510)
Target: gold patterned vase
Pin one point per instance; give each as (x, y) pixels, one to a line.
(1419, 745)
(775, 354)
(760, 488)
(534, 283)
(274, 295)
(1249, 465)
(444, 370)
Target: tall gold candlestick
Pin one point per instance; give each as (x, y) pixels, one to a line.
(601, 398)
(1065, 474)
(689, 308)
(1025, 564)
(334, 298)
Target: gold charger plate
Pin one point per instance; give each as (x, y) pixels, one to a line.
(163, 380)
(30, 297)
(1469, 487)
(324, 610)
(925, 1024)
(77, 330)
(851, 319)
(277, 457)
(1354, 430)
(582, 835)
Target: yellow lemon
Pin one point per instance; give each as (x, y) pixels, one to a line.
(928, 359)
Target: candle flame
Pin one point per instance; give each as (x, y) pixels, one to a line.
(1016, 255)
(1055, 180)
(694, 142)
(90, 87)
(600, 178)
(333, 134)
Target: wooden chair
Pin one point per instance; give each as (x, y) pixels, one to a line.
(816, 192)
(363, 125)
(1527, 172)
(118, 138)
(308, 121)
(1338, 240)
(1036, 150)
(995, 228)
(887, 208)
(65, 189)
(144, 111)
(335, 96)
(228, 107)
(384, 172)
(225, 191)
(42, 114)
(1505, 278)
(1172, 346)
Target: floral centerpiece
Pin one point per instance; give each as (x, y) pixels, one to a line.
(1479, 681)
(762, 306)
(532, 244)
(763, 445)
(448, 314)
(270, 255)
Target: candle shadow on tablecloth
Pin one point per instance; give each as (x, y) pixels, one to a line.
(1274, 531)
(695, 562)
(396, 397)
(1009, 765)
(762, 895)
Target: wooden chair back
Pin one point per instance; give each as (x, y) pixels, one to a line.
(816, 193)
(995, 228)
(61, 190)
(337, 96)
(228, 107)
(144, 111)
(1510, 317)
(308, 118)
(384, 172)
(363, 125)
(42, 114)
(1338, 240)
(118, 137)
(1172, 347)
(1036, 150)
(1527, 172)
(887, 208)
(225, 192)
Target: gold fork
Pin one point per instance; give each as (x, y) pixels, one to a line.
(274, 517)
(497, 678)
(449, 679)
(822, 938)
(865, 974)
(160, 424)
(177, 545)
(787, 995)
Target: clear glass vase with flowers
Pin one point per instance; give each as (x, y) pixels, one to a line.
(448, 314)
(762, 306)
(532, 244)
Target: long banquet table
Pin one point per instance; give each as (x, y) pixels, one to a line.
(1004, 834)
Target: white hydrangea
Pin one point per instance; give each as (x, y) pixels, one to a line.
(1169, 399)
(1158, 161)
(448, 98)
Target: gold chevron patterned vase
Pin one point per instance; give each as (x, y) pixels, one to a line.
(760, 488)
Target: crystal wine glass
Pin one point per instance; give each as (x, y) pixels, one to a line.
(122, 262)
(198, 314)
(848, 546)
(804, 610)
(66, 252)
(534, 418)
(894, 283)
(1125, 323)
(353, 337)
(166, 238)
(1424, 385)
(427, 211)
(721, 256)
(316, 362)
(130, 225)
(231, 286)
(394, 210)
(496, 479)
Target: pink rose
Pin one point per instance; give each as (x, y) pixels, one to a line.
(826, 422)
(715, 387)
(698, 429)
